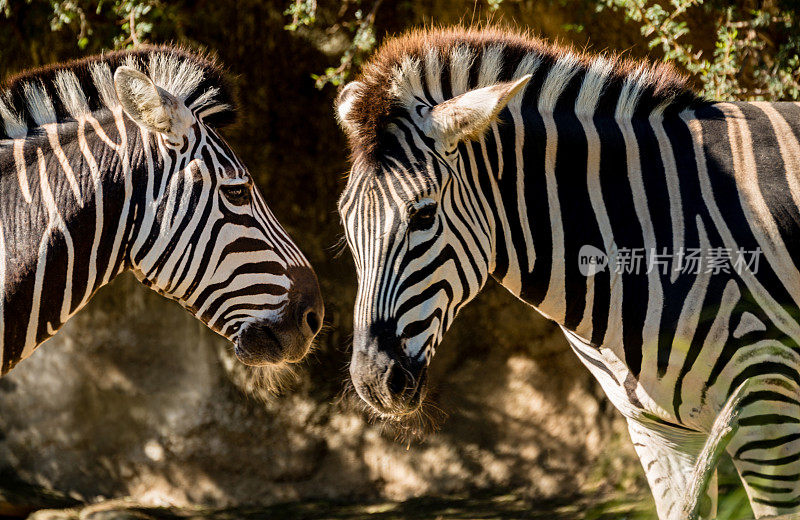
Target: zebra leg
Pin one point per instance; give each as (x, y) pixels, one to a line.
(668, 456)
(723, 430)
(766, 448)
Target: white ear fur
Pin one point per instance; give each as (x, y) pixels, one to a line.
(344, 104)
(150, 105)
(469, 115)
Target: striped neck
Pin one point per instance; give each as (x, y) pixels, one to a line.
(562, 152)
(76, 181)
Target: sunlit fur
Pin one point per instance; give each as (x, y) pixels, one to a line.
(595, 151)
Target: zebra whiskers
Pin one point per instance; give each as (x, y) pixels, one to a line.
(405, 428)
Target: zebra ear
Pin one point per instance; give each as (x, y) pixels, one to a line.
(150, 105)
(344, 105)
(469, 115)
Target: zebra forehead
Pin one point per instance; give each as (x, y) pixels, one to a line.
(65, 91)
(445, 62)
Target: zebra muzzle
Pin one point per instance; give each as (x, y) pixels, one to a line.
(258, 345)
(290, 336)
(389, 384)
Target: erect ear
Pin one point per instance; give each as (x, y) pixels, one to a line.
(150, 105)
(344, 104)
(469, 115)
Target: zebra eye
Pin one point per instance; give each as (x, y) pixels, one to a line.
(237, 194)
(423, 217)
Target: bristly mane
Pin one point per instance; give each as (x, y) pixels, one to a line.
(404, 66)
(62, 92)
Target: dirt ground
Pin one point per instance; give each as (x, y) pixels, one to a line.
(484, 505)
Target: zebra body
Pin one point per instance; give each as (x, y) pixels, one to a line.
(113, 163)
(486, 153)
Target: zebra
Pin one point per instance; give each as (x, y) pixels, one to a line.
(480, 153)
(113, 163)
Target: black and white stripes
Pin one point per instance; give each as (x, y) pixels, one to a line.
(113, 163)
(482, 153)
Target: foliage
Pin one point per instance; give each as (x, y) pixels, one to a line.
(115, 23)
(355, 18)
(755, 55)
(753, 52)
(303, 12)
(494, 5)
(363, 41)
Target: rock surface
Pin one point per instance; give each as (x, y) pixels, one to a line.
(135, 398)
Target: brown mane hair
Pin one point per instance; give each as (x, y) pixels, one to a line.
(375, 103)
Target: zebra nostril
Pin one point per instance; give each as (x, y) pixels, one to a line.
(305, 301)
(397, 380)
(313, 321)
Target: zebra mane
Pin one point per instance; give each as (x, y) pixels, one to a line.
(65, 91)
(440, 63)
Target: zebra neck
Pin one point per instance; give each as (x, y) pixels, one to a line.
(67, 214)
(559, 177)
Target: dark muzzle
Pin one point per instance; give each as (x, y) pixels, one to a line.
(386, 378)
(290, 337)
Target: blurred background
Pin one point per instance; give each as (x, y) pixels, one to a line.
(135, 399)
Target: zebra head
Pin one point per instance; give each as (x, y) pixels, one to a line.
(421, 235)
(206, 237)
